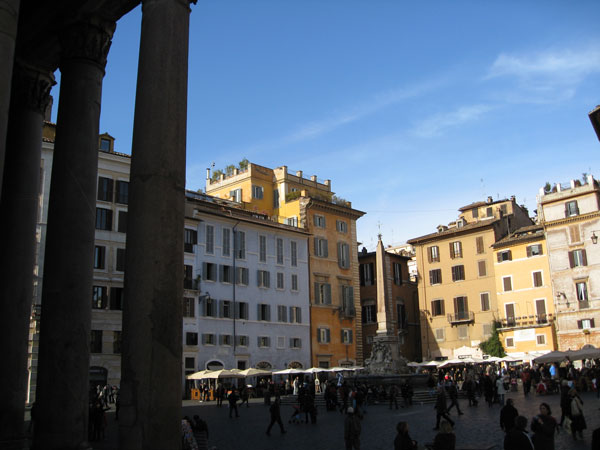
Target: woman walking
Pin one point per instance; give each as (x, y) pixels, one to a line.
(543, 426)
(577, 420)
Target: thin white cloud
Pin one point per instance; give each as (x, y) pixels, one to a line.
(434, 125)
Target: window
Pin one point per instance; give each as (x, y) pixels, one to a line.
(264, 312)
(294, 282)
(191, 338)
(209, 306)
(236, 195)
(208, 339)
(257, 192)
(263, 278)
(475, 213)
(433, 254)
(505, 255)
(225, 339)
(264, 341)
(210, 271)
(397, 267)
(99, 297)
(122, 196)
(463, 332)
(369, 313)
(295, 314)
(280, 341)
(401, 314)
(582, 291)
(347, 300)
(541, 339)
(117, 339)
(120, 266)
(105, 189)
(188, 282)
(367, 274)
(571, 208)
(281, 313)
(321, 247)
(279, 251)
(341, 226)
(99, 257)
(242, 341)
(96, 341)
(295, 343)
(455, 249)
(210, 240)
(280, 280)
(242, 275)
(190, 238)
(485, 301)
(323, 335)
(117, 295)
(479, 244)
(437, 307)
(122, 225)
(225, 309)
(343, 255)
(435, 276)
(585, 324)
(534, 250)
(241, 310)
(540, 310)
(226, 274)
(292, 221)
(346, 336)
(190, 363)
(503, 209)
(537, 279)
(275, 198)
(509, 308)
(507, 283)
(262, 248)
(487, 329)
(574, 234)
(189, 307)
(489, 212)
(103, 219)
(482, 268)
(322, 293)
(458, 273)
(105, 145)
(239, 238)
(461, 308)
(440, 334)
(319, 221)
(510, 342)
(294, 253)
(226, 249)
(577, 258)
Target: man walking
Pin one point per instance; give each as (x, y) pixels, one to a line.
(441, 408)
(275, 411)
(232, 399)
(453, 391)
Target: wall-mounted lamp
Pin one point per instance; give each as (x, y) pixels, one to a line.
(594, 238)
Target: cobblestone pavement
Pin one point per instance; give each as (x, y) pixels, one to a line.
(477, 428)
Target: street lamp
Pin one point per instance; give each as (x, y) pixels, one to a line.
(594, 238)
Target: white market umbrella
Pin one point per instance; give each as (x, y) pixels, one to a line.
(198, 375)
(414, 364)
(288, 372)
(315, 370)
(431, 363)
(253, 372)
(223, 373)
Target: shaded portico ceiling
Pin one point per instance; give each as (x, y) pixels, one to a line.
(41, 22)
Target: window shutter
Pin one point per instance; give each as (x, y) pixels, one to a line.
(258, 317)
(327, 294)
(245, 275)
(339, 255)
(325, 249)
(529, 251)
(509, 255)
(221, 273)
(258, 278)
(571, 260)
(316, 240)
(268, 317)
(317, 300)
(221, 307)
(584, 257)
(342, 336)
(580, 324)
(451, 250)
(350, 336)
(268, 279)
(298, 315)
(318, 335)
(328, 333)
(592, 323)
(429, 258)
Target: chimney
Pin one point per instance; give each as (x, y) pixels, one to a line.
(313, 178)
(490, 199)
(299, 174)
(207, 173)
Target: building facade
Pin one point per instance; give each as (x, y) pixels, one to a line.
(524, 293)
(570, 214)
(457, 287)
(333, 260)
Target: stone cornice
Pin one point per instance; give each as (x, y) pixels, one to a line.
(572, 219)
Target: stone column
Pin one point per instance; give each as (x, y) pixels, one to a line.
(63, 370)
(9, 16)
(18, 209)
(151, 385)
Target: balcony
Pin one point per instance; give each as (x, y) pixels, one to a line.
(461, 317)
(526, 321)
(191, 284)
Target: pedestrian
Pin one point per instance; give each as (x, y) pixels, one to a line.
(441, 409)
(596, 439)
(220, 393)
(577, 419)
(501, 390)
(245, 396)
(565, 402)
(517, 438)
(317, 386)
(445, 439)
(200, 430)
(543, 426)
(393, 396)
(352, 430)
(508, 414)
(407, 393)
(453, 392)
(275, 412)
(188, 440)
(403, 440)
(295, 385)
(232, 399)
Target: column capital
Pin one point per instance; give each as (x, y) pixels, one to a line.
(88, 40)
(32, 86)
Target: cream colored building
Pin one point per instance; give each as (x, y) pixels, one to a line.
(570, 214)
(524, 293)
(456, 280)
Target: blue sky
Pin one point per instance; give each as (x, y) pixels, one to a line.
(411, 109)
